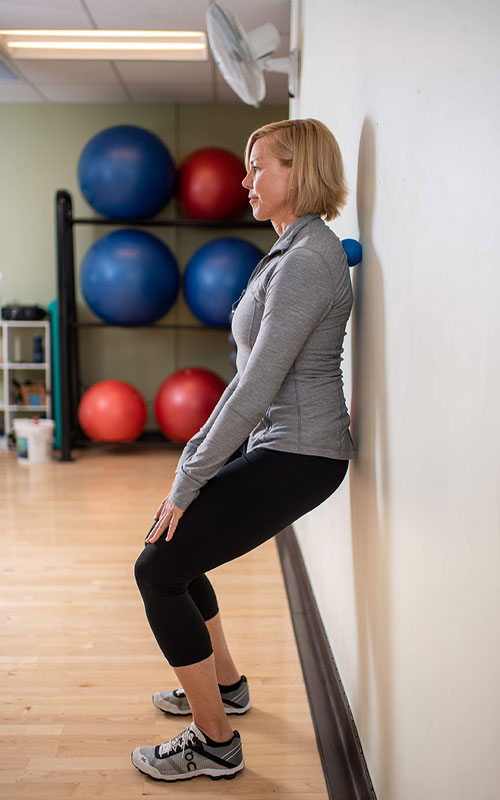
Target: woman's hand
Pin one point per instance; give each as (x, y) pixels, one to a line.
(167, 514)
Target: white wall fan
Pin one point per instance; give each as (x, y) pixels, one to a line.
(242, 57)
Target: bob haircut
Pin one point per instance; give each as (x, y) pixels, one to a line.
(317, 183)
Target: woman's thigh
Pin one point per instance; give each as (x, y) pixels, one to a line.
(252, 498)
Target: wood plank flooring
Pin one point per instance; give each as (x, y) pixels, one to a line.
(78, 661)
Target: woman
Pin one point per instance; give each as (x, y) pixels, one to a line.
(276, 445)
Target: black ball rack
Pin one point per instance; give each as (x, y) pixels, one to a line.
(71, 432)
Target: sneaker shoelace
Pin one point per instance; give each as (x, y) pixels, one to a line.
(187, 736)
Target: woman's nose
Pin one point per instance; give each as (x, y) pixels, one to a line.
(245, 182)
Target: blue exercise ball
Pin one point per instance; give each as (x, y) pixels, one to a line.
(129, 277)
(216, 275)
(353, 250)
(126, 171)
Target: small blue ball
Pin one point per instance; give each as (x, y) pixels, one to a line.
(353, 250)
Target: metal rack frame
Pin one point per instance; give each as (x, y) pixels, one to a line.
(71, 433)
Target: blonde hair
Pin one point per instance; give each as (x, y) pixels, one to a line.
(317, 183)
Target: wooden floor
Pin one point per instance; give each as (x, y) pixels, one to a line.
(79, 662)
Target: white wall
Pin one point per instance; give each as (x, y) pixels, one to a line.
(405, 557)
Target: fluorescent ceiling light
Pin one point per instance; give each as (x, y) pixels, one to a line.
(106, 45)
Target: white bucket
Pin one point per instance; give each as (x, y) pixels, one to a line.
(34, 438)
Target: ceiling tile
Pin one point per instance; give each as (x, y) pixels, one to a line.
(49, 14)
(18, 93)
(258, 12)
(149, 14)
(84, 93)
(171, 94)
(224, 93)
(165, 72)
(74, 72)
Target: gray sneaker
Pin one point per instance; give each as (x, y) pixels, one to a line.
(235, 702)
(188, 755)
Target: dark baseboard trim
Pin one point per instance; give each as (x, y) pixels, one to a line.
(344, 765)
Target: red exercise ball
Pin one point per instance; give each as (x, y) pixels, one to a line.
(209, 185)
(185, 401)
(112, 411)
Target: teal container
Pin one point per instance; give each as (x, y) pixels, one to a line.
(56, 372)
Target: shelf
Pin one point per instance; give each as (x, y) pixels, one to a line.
(40, 323)
(39, 371)
(169, 223)
(20, 365)
(23, 408)
(223, 328)
(146, 438)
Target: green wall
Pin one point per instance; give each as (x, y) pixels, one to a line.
(40, 145)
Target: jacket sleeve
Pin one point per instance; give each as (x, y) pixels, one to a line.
(195, 441)
(298, 295)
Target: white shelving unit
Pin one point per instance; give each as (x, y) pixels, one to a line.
(21, 370)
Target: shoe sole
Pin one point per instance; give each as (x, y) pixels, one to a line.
(174, 710)
(214, 774)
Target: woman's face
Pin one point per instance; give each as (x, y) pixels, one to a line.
(267, 182)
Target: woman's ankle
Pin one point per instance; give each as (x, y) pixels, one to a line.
(218, 733)
(227, 677)
(230, 687)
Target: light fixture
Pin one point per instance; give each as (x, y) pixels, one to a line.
(106, 45)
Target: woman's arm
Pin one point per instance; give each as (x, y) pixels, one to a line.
(298, 295)
(195, 441)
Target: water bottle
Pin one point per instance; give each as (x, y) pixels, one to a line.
(38, 356)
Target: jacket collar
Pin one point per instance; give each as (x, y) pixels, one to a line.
(280, 246)
(286, 238)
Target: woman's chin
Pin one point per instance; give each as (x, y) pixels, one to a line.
(259, 215)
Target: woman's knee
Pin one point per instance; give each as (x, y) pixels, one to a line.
(149, 574)
(141, 569)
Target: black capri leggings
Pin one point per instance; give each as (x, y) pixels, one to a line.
(253, 497)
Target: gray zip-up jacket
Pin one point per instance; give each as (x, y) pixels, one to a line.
(288, 325)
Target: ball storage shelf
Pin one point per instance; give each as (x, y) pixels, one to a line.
(71, 434)
(10, 368)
